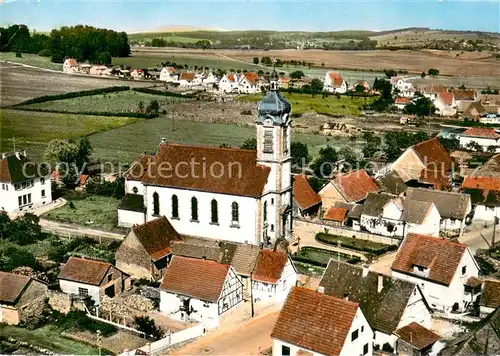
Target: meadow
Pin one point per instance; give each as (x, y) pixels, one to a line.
(31, 59)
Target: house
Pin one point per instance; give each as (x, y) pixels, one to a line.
(445, 104)
(387, 303)
(425, 163)
(99, 70)
(485, 196)
(221, 193)
(454, 208)
(167, 74)
(306, 202)
(488, 139)
(146, 250)
(273, 277)
(490, 296)
(474, 111)
(313, 323)
(187, 79)
(335, 216)
(402, 87)
(285, 82)
(87, 278)
(431, 90)
(229, 83)
(21, 298)
(361, 83)
(334, 83)
(483, 339)
(392, 183)
(352, 187)
(415, 340)
(24, 184)
(249, 83)
(199, 290)
(389, 215)
(137, 74)
(70, 65)
(401, 102)
(463, 98)
(440, 268)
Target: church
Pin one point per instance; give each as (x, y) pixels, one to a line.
(220, 193)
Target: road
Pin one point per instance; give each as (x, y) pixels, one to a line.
(250, 338)
(477, 236)
(67, 230)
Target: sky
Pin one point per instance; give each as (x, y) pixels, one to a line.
(294, 15)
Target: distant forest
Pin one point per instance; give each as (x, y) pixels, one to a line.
(85, 43)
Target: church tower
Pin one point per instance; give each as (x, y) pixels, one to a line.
(273, 150)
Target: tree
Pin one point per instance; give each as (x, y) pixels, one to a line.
(348, 155)
(140, 106)
(300, 154)
(255, 60)
(298, 74)
(397, 141)
(250, 144)
(316, 85)
(492, 149)
(422, 107)
(474, 146)
(148, 327)
(371, 145)
(389, 73)
(359, 88)
(326, 163)
(434, 72)
(423, 75)
(153, 107)
(451, 143)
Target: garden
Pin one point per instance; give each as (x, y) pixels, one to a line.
(352, 243)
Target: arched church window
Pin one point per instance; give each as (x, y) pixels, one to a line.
(215, 212)
(194, 209)
(156, 204)
(175, 206)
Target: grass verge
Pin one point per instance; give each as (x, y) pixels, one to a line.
(355, 244)
(31, 59)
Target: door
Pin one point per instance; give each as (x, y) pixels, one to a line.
(110, 291)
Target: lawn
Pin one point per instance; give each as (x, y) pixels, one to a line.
(93, 211)
(320, 256)
(48, 337)
(330, 105)
(33, 130)
(124, 101)
(355, 244)
(31, 59)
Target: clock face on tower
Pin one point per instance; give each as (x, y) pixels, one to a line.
(268, 122)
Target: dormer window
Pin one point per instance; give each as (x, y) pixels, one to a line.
(421, 270)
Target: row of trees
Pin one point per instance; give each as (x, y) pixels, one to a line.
(17, 38)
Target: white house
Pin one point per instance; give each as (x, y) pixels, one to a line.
(334, 83)
(389, 215)
(440, 268)
(463, 98)
(100, 70)
(273, 277)
(199, 290)
(401, 102)
(249, 83)
(137, 74)
(485, 195)
(87, 278)
(404, 87)
(167, 74)
(445, 104)
(388, 303)
(490, 296)
(229, 83)
(24, 184)
(70, 65)
(454, 208)
(209, 78)
(313, 323)
(484, 137)
(204, 191)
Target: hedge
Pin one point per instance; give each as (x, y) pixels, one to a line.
(349, 259)
(139, 115)
(164, 93)
(327, 239)
(75, 94)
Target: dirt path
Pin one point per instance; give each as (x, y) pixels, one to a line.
(75, 230)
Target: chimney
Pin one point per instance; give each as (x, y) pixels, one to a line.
(411, 337)
(18, 154)
(24, 153)
(346, 296)
(163, 140)
(366, 269)
(321, 289)
(4, 155)
(380, 283)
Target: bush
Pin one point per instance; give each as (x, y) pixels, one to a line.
(148, 326)
(13, 257)
(387, 347)
(355, 244)
(77, 319)
(114, 189)
(19, 55)
(44, 53)
(164, 93)
(138, 115)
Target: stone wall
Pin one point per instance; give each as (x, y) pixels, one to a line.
(32, 301)
(59, 301)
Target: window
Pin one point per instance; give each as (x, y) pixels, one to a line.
(42, 180)
(20, 200)
(272, 227)
(43, 193)
(285, 140)
(110, 277)
(285, 350)
(25, 200)
(194, 209)
(265, 211)
(83, 291)
(354, 335)
(464, 270)
(362, 328)
(214, 210)
(135, 190)
(365, 349)
(268, 141)
(29, 198)
(175, 207)
(235, 214)
(156, 204)
(272, 201)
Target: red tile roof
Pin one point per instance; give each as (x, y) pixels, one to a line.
(227, 170)
(304, 195)
(285, 79)
(13, 285)
(189, 76)
(315, 321)
(482, 132)
(440, 256)
(490, 295)
(72, 62)
(467, 94)
(485, 183)
(334, 75)
(335, 214)
(417, 336)
(84, 270)
(436, 177)
(231, 77)
(83, 179)
(446, 98)
(269, 266)
(432, 153)
(400, 100)
(157, 236)
(194, 277)
(355, 186)
(138, 168)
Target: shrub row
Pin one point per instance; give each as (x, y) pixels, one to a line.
(164, 93)
(75, 94)
(327, 239)
(138, 115)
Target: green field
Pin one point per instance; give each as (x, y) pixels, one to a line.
(330, 105)
(124, 101)
(94, 211)
(31, 59)
(140, 38)
(33, 130)
(210, 61)
(48, 337)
